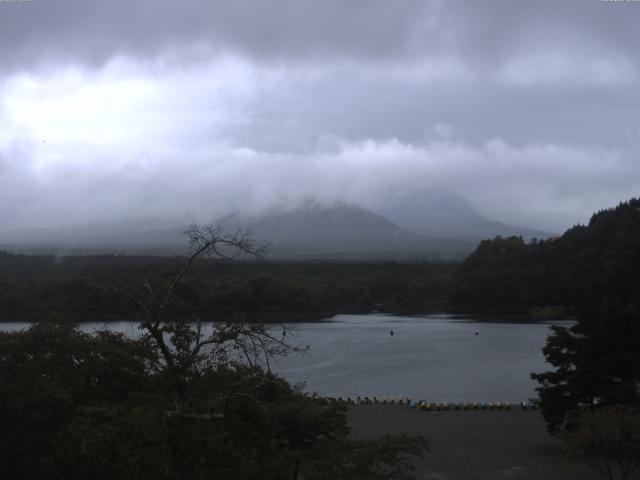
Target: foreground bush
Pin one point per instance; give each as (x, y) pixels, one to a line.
(101, 406)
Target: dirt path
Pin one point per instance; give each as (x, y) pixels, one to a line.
(475, 445)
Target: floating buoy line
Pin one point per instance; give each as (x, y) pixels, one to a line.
(531, 404)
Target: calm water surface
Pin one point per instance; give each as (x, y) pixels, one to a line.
(438, 358)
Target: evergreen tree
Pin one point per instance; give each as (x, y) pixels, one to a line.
(597, 363)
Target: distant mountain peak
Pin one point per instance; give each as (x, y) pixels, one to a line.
(423, 224)
(442, 213)
(316, 227)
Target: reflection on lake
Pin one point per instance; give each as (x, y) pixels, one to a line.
(439, 357)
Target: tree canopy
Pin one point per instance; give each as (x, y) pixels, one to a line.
(586, 265)
(597, 363)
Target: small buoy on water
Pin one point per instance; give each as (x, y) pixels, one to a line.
(391, 333)
(477, 333)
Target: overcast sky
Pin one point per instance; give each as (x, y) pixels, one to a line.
(118, 108)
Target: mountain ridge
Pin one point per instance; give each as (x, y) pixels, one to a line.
(449, 227)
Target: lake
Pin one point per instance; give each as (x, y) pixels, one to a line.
(440, 358)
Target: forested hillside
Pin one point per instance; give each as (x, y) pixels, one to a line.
(585, 265)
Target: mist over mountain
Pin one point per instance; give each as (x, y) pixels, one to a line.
(315, 227)
(341, 230)
(130, 235)
(433, 224)
(442, 213)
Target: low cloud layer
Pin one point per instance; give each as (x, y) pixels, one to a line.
(196, 109)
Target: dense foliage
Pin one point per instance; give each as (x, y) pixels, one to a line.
(76, 406)
(586, 265)
(597, 363)
(72, 288)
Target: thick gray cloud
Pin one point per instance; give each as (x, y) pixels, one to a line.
(482, 32)
(93, 31)
(529, 109)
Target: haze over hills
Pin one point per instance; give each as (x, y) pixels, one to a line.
(138, 235)
(316, 230)
(427, 225)
(442, 213)
(314, 227)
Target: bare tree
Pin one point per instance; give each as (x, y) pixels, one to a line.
(183, 346)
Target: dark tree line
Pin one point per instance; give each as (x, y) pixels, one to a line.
(36, 287)
(588, 264)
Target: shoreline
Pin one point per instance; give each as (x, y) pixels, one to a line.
(325, 317)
